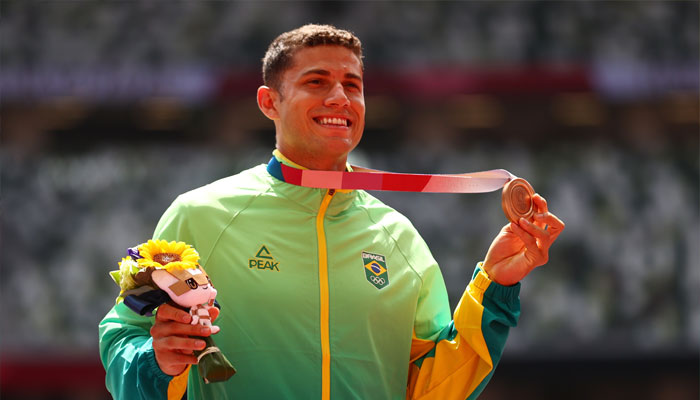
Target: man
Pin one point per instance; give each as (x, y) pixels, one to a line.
(324, 293)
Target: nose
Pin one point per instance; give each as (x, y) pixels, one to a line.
(337, 97)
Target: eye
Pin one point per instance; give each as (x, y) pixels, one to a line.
(353, 87)
(314, 82)
(191, 283)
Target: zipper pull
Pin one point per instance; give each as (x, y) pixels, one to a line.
(331, 192)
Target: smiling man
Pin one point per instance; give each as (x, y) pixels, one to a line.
(317, 103)
(325, 293)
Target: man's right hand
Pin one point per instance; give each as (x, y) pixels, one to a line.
(172, 341)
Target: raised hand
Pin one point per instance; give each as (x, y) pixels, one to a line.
(520, 248)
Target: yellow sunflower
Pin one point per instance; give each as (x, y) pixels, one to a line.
(169, 255)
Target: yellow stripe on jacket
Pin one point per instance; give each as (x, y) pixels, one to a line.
(178, 385)
(459, 365)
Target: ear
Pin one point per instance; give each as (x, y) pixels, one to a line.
(266, 102)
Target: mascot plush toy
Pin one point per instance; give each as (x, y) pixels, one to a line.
(159, 271)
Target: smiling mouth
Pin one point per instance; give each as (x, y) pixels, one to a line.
(333, 122)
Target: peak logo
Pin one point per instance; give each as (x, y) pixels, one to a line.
(263, 260)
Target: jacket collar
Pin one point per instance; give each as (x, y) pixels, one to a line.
(342, 198)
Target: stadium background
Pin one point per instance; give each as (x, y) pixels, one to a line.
(110, 109)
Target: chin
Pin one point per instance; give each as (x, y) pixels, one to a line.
(337, 149)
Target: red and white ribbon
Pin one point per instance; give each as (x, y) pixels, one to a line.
(370, 179)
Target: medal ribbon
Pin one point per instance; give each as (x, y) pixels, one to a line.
(371, 179)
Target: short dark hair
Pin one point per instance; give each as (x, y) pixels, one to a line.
(281, 51)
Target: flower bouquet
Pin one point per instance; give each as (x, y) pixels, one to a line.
(159, 271)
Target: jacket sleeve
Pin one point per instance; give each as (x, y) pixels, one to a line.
(126, 348)
(457, 361)
(127, 355)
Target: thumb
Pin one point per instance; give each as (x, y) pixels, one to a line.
(214, 313)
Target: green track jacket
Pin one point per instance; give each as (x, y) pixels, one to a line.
(324, 294)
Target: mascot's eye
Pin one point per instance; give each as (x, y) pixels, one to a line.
(191, 283)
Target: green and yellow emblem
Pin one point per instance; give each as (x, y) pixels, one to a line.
(375, 269)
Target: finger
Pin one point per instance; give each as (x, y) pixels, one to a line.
(540, 203)
(166, 312)
(534, 230)
(174, 363)
(526, 237)
(214, 313)
(176, 344)
(540, 207)
(556, 226)
(165, 329)
(535, 254)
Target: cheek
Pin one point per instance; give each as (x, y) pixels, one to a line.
(299, 106)
(361, 104)
(293, 118)
(184, 300)
(192, 298)
(359, 108)
(200, 296)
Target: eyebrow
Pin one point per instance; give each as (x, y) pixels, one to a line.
(324, 72)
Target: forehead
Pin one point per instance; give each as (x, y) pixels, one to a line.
(185, 274)
(334, 59)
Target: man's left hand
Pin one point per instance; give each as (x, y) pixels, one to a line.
(520, 248)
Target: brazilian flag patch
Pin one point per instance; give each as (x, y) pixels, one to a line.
(375, 269)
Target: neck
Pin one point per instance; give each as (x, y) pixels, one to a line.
(314, 163)
(321, 165)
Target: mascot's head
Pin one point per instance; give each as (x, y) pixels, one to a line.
(186, 287)
(170, 266)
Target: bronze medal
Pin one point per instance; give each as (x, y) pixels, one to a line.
(517, 200)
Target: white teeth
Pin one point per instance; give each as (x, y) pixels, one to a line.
(333, 121)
